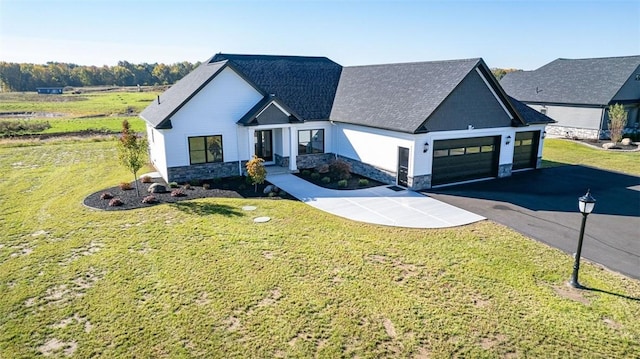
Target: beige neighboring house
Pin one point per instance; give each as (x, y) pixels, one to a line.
(577, 93)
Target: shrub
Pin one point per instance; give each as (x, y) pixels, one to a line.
(324, 168)
(146, 179)
(186, 186)
(178, 193)
(242, 186)
(326, 179)
(173, 185)
(282, 193)
(195, 182)
(617, 122)
(206, 186)
(125, 186)
(315, 175)
(149, 199)
(14, 127)
(343, 183)
(271, 194)
(341, 169)
(115, 202)
(106, 195)
(363, 182)
(306, 173)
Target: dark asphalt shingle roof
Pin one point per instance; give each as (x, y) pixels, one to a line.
(529, 115)
(397, 97)
(306, 84)
(592, 81)
(177, 95)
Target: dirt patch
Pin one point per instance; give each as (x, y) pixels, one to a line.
(89, 249)
(377, 258)
(490, 342)
(268, 254)
(299, 336)
(232, 324)
(612, 323)
(571, 293)
(271, 299)
(54, 346)
(389, 328)
(203, 299)
(422, 353)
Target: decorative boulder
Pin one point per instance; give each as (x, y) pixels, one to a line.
(626, 142)
(268, 189)
(157, 188)
(608, 145)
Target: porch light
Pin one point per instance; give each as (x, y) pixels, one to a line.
(544, 134)
(426, 147)
(508, 140)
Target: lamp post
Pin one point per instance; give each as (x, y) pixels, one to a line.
(585, 205)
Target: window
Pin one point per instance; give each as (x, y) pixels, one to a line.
(543, 110)
(310, 141)
(205, 149)
(440, 153)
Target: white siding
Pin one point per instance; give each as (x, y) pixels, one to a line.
(157, 154)
(579, 117)
(373, 146)
(213, 111)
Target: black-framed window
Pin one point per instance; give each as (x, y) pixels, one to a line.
(310, 141)
(205, 149)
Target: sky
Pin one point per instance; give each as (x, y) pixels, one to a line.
(506, 33)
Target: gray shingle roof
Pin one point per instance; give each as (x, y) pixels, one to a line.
(397, 97)
(529, 115)
(159, 114)
(572, 81)
(306, 84)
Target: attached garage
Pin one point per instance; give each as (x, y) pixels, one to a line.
(525, 150)
(465, 159)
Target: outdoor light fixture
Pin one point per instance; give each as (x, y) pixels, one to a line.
(508, 140)
(426, 147)
(544, 134)
(585, 205)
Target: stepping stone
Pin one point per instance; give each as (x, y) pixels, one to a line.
(261, 219)
(249, 208)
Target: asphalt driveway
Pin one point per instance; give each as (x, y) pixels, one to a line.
(543, 205)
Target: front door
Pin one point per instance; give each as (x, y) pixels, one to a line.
(403, 166)
(264, 145)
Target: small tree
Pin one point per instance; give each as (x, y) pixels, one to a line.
(256, 171)
(132, 151)
(617, 122)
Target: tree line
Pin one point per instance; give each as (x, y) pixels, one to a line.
(27, 77)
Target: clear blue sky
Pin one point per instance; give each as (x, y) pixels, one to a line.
(518, 34)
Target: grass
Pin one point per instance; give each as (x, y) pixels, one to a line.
(200, 279)
(81, 112)
(559, 152)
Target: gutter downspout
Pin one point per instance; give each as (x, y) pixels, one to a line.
(604, 109)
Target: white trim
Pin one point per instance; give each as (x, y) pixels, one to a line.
(494, 93)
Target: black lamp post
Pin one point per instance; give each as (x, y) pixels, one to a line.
(585, 204)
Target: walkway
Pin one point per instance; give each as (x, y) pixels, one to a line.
(377, 205)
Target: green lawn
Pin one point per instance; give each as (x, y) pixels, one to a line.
(559, 152)
(88, 111)
(200, 279)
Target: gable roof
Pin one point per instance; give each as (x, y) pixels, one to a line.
(400, 97)
(252, 118)
(307, 85)
(592, 81)
(529, 115)
(159, 112)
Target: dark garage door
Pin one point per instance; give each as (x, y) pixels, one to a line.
(465, 159)
(525, 150)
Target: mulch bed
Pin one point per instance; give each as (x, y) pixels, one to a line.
(352, 183)
(235, 187)
(619, 147)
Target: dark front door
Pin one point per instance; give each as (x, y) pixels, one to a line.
(403, 166)
(264, 148)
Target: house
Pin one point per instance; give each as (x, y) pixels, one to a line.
(577, 93)
(49, 90)
(417, 125)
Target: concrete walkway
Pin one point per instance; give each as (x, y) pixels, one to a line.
(377, 205)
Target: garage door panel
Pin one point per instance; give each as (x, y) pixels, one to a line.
(465, 159)
(525, 150)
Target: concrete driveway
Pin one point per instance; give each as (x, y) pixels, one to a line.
(543, 204)
(377, 205)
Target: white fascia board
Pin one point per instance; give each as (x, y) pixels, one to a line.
(494, 93)
(276, 105)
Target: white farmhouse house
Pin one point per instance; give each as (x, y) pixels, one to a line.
(417, 125)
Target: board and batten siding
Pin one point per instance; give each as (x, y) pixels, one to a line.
(157, 149)
(212, 111)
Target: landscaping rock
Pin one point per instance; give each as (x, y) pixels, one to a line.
(157, 188)
(608, 145)
(626, 142)
(268, 189)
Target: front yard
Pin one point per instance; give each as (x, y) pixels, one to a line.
(200, 279)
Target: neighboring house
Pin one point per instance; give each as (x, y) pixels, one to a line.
(577, 93)
(417, 125)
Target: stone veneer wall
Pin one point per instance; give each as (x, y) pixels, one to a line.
(505, 170)
(573, 132)
(281, 161)
(202, 171)
(313, 160)
(418, 183)
(370, 171)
